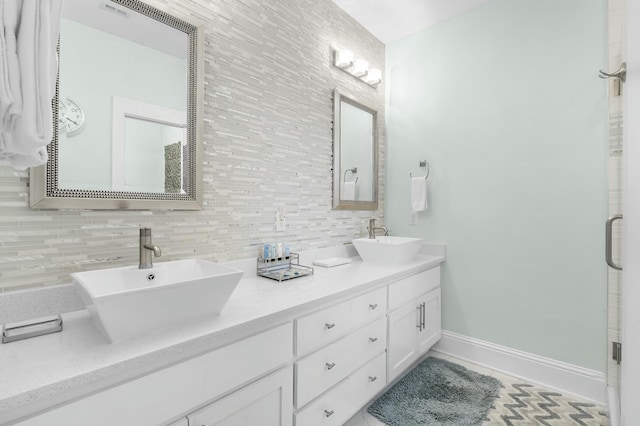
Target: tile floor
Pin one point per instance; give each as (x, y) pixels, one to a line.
(520, 406)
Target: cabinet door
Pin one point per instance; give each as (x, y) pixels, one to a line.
(267, 402)
(431, 330)
(402, 342)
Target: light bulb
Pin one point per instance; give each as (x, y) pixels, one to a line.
(373, 77)
(343, 59)
(360, 68)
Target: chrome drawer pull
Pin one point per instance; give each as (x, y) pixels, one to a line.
(373, 306)
(373, 339)
(328, 413)
(330, 325)
(373, 378)
(330, 365)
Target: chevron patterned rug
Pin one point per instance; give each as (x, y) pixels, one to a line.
(522, 404)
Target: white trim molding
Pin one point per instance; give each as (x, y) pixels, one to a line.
(567, 378)
(614, 406)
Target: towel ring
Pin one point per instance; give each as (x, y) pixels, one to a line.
(353, 170)
(428, 171)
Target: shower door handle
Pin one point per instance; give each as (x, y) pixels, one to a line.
(609, 242)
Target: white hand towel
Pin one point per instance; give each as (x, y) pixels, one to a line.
(419, 194)
(349, 190)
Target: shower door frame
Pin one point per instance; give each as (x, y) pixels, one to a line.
(630, 376)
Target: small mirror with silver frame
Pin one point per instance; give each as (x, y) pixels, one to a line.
(126, 136)
(355, 155)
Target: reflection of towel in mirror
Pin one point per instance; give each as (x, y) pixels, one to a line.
(419, 194)
(349, 190)
(24, 145)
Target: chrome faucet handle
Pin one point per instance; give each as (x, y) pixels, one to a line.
(146, 248)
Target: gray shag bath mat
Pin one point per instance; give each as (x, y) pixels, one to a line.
(437, 392)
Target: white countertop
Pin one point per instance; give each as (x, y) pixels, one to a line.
(42, 372)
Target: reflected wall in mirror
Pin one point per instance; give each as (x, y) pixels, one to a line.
(129, 113)
(355, 155)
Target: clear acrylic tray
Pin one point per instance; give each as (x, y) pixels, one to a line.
(282, 268)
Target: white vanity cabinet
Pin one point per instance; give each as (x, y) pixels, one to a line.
(414, 319)
(318, 368)
(171, 393)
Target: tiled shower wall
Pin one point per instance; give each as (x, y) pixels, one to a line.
(267, 145)
(617, 13)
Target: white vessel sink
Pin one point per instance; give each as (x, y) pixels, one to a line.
(390, 250)
(128, 302)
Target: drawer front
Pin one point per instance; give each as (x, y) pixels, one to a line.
(322, 369)
(321, 327)
(332, 409)
(343, 401)
(368, 381)
(367, 307)
(408, 289)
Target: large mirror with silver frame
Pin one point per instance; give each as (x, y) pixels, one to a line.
(355, 155)
(128, 110)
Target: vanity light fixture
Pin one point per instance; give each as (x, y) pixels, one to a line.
(358, 68)
(373, 77)
(343, 59)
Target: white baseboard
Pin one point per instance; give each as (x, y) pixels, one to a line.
(567, 378)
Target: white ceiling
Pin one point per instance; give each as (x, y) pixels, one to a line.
(390, 20)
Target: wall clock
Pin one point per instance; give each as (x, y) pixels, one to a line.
(70, 116)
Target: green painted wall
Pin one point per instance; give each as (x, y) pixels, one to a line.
(505, 104)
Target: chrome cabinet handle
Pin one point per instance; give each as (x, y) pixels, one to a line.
(419, 325)
(330, 325)
(609, 241)
(372, 306)
(373, 339)
(330, 365)
(328, 413)
(373, 378)
(423, 319)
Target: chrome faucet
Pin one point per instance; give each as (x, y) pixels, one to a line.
(372, 229)
(146, 247)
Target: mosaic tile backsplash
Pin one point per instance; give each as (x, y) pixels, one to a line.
(267, 145)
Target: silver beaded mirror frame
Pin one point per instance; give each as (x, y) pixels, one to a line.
(45, 192)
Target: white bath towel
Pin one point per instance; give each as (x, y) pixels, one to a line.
(37, 39)
(10, 93)
(419, 194)
(6, 97)
(349, 190)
